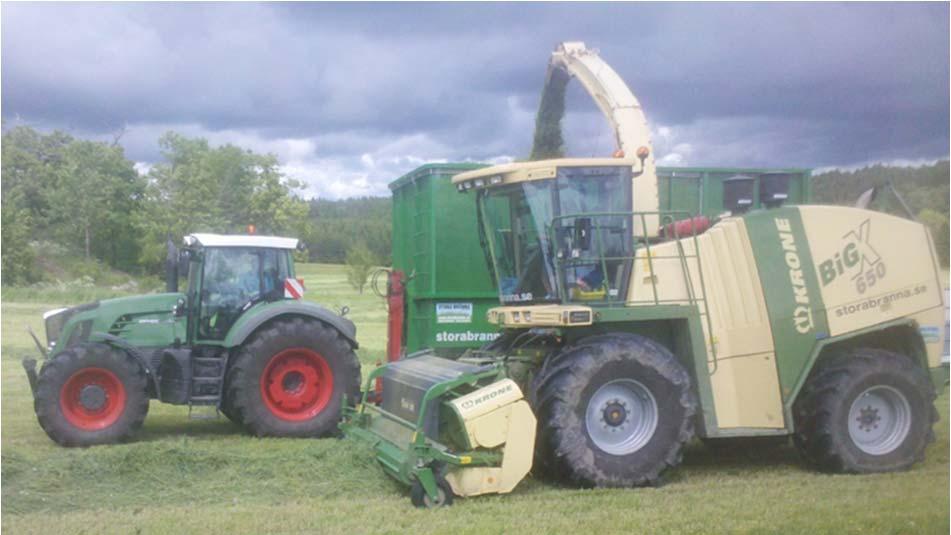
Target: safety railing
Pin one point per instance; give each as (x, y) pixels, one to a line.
(564, 232)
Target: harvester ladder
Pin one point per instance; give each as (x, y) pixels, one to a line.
(692, 297)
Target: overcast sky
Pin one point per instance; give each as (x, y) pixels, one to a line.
(350, 96)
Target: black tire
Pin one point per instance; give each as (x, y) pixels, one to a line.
(566, 449)
(69, 422)
(822, 412)
(246, 399)
(227, 404)
(422, 500)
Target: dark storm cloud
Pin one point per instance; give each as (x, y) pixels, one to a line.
(368, 90)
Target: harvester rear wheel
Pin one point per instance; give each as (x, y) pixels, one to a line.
(613, 411)
(91, 394)
(869, 411)
(289, 379)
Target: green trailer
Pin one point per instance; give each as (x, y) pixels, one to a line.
(447, 282)
(436, 249)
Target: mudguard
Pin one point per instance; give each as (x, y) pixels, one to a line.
(257, 316)
(132, 351)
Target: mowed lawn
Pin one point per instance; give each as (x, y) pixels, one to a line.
(190, 476)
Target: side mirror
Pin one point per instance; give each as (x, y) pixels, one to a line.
(179, 309)
(582, 233)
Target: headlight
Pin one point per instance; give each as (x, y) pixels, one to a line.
(55, 319)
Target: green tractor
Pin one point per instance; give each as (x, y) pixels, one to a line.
(238, 339)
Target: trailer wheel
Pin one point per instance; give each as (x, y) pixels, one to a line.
(613, 411)
(91, 394)
(422, 500)
(289, 379)
(869, 411)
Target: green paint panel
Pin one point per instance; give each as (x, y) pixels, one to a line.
(699, 190)
(436, 244)
(435, 238)
(793, 297)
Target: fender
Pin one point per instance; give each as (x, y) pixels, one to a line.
(133, 352)
(257, 316)
(919, 355)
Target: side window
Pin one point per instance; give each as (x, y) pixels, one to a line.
(274, 269)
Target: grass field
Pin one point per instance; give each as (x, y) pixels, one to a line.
(188, 476)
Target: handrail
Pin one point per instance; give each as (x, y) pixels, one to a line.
(693, 297)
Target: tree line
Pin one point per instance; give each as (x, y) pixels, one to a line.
(89, 198)
(86, 196)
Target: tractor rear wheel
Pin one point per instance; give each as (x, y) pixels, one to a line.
(290, 378)
(91, 394)
(613, 411)
(869, 411)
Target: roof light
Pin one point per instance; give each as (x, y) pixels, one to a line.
(479, 182)
(460, 187)
(497, 179)
(468, 185)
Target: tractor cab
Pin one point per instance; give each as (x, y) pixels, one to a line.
(557, 231)
(227, 275)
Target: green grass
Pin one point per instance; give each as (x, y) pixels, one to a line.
(184, 475)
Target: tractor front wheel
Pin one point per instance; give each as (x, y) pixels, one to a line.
(290, 379)
(868, 411)
(91, 394)
(613, 411)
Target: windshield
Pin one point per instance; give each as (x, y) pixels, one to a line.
(550, 240)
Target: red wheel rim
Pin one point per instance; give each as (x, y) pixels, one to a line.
(92, 398)
(297, 384)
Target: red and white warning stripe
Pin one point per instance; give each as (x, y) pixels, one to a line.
(293, 288)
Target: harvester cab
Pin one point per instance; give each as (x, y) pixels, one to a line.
(238, 339)
(632, 329)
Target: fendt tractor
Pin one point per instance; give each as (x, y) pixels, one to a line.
(627, 330)
(238, 339)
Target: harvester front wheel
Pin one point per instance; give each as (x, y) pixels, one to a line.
(421, 499)
(869, 411)
(91, 394)
(613, 411)
(290, 378)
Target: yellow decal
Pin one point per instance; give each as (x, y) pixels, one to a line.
(465, 459)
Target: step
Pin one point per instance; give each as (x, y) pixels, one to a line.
(208, 360)
(208, 379)
(203, 413)
(204, 400)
